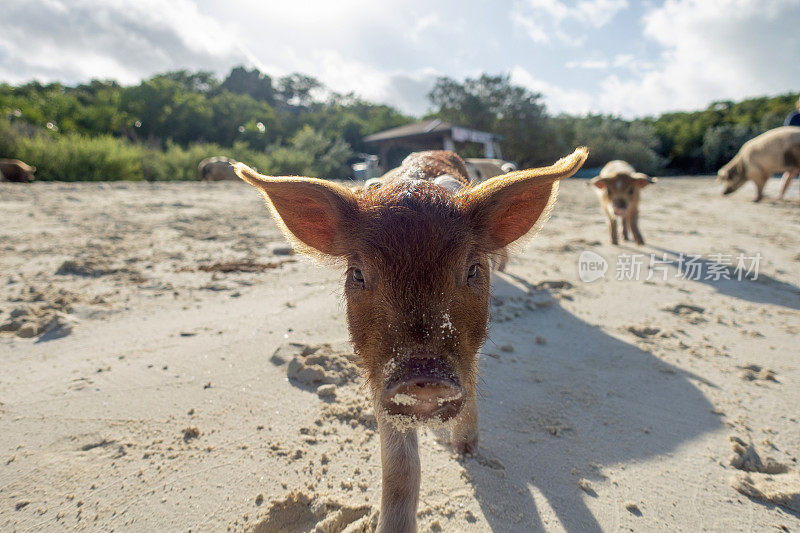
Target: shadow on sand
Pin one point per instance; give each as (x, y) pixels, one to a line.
(557, 412)
(762, 289)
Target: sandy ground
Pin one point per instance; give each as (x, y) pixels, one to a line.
(141, 389)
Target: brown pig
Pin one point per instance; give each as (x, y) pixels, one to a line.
(773, 151)
(216, 169)
(416, 255)
(618, 187)
(16, 170)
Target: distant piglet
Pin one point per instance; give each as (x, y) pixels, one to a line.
(618, 187)
(417, 289)
(776, 150)
(216, 169)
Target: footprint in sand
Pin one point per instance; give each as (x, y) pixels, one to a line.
(691, 313)
(300, 512)
(80, 383)
(643, 332)
(763, 479)
(753, 372)
(746, 457)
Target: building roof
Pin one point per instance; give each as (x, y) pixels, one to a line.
(419, 129)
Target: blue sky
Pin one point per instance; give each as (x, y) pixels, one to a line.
(611, 56)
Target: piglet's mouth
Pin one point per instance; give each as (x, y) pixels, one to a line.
(423, 387)
(620, 211)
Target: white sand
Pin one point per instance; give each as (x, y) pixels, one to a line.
(155, 402)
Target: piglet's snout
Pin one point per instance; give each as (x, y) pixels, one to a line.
(423, 386)
(620, 206)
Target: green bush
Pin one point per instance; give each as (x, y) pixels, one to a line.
(8, 139)
(176, 163)
(74, 157)
(721, 143)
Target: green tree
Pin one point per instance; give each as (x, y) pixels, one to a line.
(683, 135)
(492, 103)
(163, 109)
(297, 90)
(610, 138)
(311, 154)
(250, 82)
(296, 125)
(352, 118)
(196, 82)
(236, 117)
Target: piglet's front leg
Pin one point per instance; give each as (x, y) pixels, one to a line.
(401, 477)
(637, 235)
(625, 225)
(612, 229)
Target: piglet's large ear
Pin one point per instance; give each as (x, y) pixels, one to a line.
(508, 207)
(599, 182)
(315, 215)
(642, 179)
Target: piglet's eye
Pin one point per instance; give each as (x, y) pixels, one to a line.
(630, 191)
(358, 276)
(473, 271)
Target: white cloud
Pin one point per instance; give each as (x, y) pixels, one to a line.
(681, 54)
(557, 99)
(555, 8)
(543, 19)
(82, 39)
(532, 29)
(630, 62)
(76, 40)
(591, 64)
(713, 50)
(423, 25)
(598, 13)
(406, 91)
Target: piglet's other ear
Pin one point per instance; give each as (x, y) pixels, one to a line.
(507, 207)
(316, 216)
(598, 182)
(643, 180)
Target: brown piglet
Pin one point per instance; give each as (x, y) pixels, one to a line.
(618, 187)
(417, 260)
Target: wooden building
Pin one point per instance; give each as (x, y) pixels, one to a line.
(431, 134)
